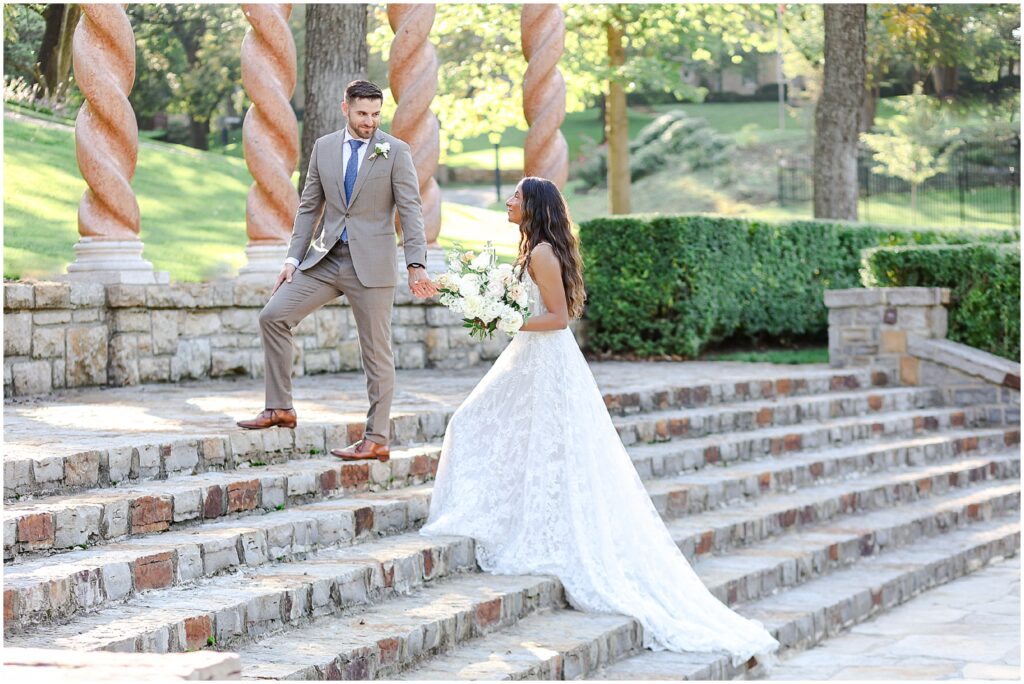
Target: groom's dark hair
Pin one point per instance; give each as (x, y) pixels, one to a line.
(364, 90)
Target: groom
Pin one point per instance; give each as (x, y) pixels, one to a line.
(343, 242)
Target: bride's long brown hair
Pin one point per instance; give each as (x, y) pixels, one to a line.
(546, 219)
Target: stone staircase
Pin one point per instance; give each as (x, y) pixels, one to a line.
(808, 498)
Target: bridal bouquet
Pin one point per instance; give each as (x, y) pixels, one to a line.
(487, 294)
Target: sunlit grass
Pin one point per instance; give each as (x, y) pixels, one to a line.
(192, 205)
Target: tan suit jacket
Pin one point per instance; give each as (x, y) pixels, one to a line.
(382, 185)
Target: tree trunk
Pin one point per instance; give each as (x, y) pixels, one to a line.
(336, 55)
(837, 117)
(867, 119)
(944, 78)
(54, 55)
(198, 133)
(617, 128)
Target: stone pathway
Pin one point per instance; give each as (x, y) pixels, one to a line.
(967, 629)
(77, 420)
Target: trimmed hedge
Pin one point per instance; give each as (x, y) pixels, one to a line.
(984, 308)
(662, 285)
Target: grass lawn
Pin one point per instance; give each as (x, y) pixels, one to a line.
(192, 204)
(811, 355)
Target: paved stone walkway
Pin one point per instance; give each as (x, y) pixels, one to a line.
(78, 420)
(967, 629)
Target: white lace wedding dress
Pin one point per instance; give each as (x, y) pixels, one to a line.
(533, 469)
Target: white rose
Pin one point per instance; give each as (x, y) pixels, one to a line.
(469, 284)
(458, 305)
(490, 310)
(510, 323)
(495, 288)
(448, 281)
(519, 295)
(473, 306)
(481, 262)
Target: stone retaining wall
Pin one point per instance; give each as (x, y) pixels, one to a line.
(901, 331)
(62, 335)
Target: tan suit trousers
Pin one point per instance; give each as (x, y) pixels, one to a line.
(332, 277)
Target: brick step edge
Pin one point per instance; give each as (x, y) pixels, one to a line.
(748, 416)
(93, 586)
(236, 447)
(677, 497)
(836, 555)
(562, 645)
(494, 602)
(23, 664)
(858, 497)
(105, 515)
(677, 456)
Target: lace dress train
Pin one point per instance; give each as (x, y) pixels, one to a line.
(533, 469)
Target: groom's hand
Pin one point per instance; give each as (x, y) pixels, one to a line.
(419, 283)
(284, 276)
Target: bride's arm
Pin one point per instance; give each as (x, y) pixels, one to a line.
(547, 273)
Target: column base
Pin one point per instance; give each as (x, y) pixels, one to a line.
(113, 262)
(263, 261)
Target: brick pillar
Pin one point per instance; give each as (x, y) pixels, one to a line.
(869, 327)
(270, 137)
(106, 147)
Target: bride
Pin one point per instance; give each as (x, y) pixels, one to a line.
(533, 469)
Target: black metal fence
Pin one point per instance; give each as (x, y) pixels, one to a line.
(982, 182)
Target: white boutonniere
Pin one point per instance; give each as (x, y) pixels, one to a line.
(380, 149)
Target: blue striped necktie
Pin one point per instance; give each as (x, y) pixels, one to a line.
(351, 171)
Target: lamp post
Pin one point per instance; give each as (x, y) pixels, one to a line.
(495, 139)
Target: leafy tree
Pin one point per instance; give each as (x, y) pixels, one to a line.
(23, 32)
(188, 61)
(610, 50)
(914, 144)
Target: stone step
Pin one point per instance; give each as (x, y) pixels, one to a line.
(560, 645)
(763, 568)
(662, 426)
(59, 587)
(393, 636)
(568, 644)
(747, 522)
(681, 455)
(231, 608)
(51, 665)
(109, 454)
(720, 484)
(786, 382)
(137, 460)
(822, 608)
(67, 521)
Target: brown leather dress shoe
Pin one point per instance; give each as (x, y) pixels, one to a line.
(364, 449)
(270, 418)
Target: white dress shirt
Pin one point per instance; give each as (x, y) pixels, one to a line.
(346, 154)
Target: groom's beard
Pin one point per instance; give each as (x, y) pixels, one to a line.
(361, 132)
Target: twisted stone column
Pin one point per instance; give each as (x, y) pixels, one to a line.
(412, 74)
(106, 146)
(270, 135)
(543, 36)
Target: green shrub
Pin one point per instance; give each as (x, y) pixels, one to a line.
(984, 283)
(675, 284)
